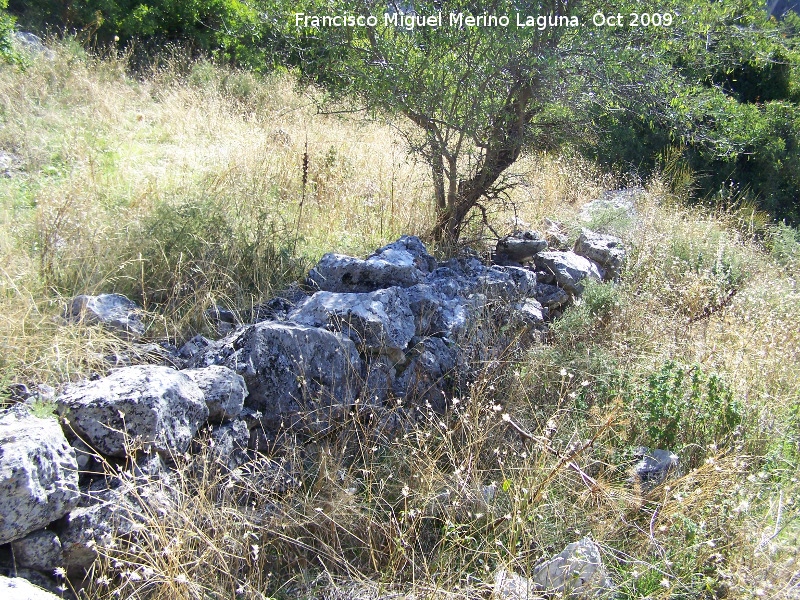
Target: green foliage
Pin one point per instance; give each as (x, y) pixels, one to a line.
(232, 30)
(784, 244)
(739, 123)
(592, 313)
(685, 409)
(7, 52)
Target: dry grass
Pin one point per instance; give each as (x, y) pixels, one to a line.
(182, 188)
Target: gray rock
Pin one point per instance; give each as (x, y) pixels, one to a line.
(653, 467)
(382, 320)
(17, 588)
(224, 391)
(91, 527)
(578, 571)
(569, 269)
(606, 250)
(112, 310)
(556, 235)
(38, 473)
(156, 406)
(551, 296)
(292, 371)
(530, 313)
(38, 550)
(10, 164)
(229, 443)
(422, 382)
(194, 346)
(402, 263)
(520, 247)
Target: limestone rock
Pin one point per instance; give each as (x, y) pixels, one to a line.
(520, 247)
(112, 310)
(403, 263)
(223, 389)
(17, 588)
(423, 380)
(607, 251)
(612, 204)
(569, 269)
(39, 550)
(578, 571)
(292, 371)
(551, 296)
(381, 321)
(229, 444)
(157, 406)
(38, 473)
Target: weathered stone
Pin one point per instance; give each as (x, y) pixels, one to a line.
(519, 247)
(229, 444)
(38, 473)
(382, 320)
(423, 380)
(556, 235)
(17, 588)
(578, 571)
(194, 346)
(223, 389)
(402, 263)
(112, 310)
(569, 269)
(530, 312)
(91, 527)
(291, 370)
(38, 550)
(653, 467)
(551, 296)
(154, 406)
(606, 250)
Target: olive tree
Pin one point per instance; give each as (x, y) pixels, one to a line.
(481, 80)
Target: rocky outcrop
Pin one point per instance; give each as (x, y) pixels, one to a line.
(519, 248)
(380, 322)
(38, 473)
(402, 263)
(143, 406)
(38, 550)
(112, 310)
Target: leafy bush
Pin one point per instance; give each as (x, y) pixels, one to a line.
(7, 53)
(593, 312)
(685, 409)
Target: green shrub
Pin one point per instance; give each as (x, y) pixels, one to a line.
(684, 409)
(7, 52)
(591, 313)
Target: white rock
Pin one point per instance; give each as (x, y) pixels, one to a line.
(17, 588)
(607, 251)
(569, 269)
(38, 473)
(39, 550)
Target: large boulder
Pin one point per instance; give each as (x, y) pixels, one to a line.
(112, 310)
(569, 269)
(157, 407)
(292, 371)
(223, 389)
(402, 263)
(381, 321)
(606, 250)
(17, 588)
(38, 473)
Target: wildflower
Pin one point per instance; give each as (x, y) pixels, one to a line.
(665, 583)
(506, 417)
(59, 572)
(181, 578)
